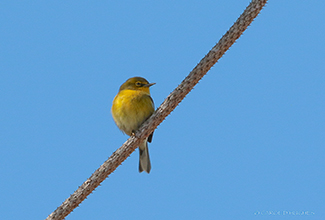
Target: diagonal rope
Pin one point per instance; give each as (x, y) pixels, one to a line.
(162, 112)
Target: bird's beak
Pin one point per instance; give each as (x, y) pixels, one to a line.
(150, 84)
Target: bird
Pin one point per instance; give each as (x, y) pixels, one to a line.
(131, 107)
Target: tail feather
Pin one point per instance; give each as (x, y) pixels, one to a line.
(144, 160)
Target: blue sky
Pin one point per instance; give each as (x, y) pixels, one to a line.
(249, 139)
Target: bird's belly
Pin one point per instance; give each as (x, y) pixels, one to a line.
(131, 113)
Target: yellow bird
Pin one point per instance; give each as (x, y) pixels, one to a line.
(131, 107)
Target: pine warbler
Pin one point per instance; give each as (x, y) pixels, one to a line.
(131, 107)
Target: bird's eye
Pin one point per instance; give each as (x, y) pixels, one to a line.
(138, 83)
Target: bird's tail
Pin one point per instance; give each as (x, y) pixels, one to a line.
(144, 161)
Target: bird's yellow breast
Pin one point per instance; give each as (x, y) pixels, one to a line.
(131, 108)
